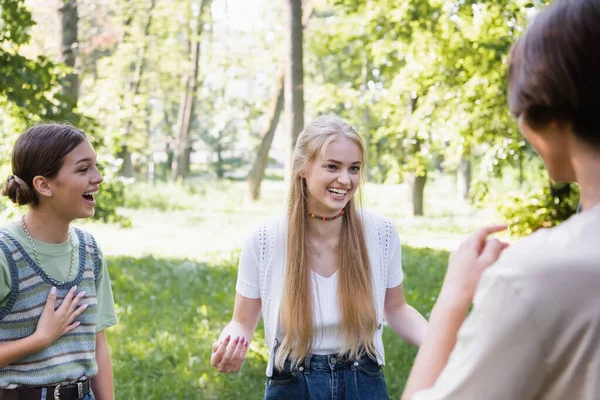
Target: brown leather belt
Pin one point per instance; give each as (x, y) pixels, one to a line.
(73, 391)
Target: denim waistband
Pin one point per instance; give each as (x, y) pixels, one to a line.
(329, 362)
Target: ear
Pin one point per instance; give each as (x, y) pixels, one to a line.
(41, 186)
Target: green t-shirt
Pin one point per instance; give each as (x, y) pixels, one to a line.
(56, 262)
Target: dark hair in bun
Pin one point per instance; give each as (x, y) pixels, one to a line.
(40, 151)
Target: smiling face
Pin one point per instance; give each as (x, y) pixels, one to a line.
(333, 177)
(77, 182)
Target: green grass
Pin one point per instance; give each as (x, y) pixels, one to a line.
(171, 311)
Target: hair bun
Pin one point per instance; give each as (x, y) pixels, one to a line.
(18, 191)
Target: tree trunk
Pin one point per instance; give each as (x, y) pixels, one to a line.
(416, 181)
(256, 174)
(521, 172)
(186, 106)
(134, 88)
(366, 112)
(417, 189)
(464, 177)
(294, 76)
(127, 165)
(219, 166)
(69, 19)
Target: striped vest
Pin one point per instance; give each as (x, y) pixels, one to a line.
(73, 355)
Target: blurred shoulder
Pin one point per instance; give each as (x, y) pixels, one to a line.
(554, 260)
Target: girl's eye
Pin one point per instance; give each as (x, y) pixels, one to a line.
(354, 169)
(331, 167)
(83, 169)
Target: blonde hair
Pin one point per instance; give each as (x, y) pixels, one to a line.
(355, 290)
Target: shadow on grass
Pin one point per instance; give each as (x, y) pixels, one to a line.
(172, 310)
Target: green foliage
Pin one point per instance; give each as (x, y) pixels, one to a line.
(422, 80)
(29, 85)
(8, 210)
(544, 208)
(172, 310)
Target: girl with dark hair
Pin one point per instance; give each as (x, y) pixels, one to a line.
(534, 330)
(324, 276)
(49, 352)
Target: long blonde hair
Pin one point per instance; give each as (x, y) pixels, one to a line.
(355, 291)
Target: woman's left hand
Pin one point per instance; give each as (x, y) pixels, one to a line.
(467, 264)
(228, 356)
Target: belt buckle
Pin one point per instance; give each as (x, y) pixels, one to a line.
(57, 391)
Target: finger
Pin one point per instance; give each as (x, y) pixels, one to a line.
(236, 359)
(71, 327)
(237, 354)
(478, 238)
(215, 346)
(230, 350)
(218, 355)
(488, 230)
(51, 300)
(76, 313)
(491, 252)
(68, 298)
(245, 350)
(75, 301)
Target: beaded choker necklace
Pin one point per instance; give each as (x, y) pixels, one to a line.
(315, 216)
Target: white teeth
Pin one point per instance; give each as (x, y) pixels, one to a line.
(90, 193)
(338, 191)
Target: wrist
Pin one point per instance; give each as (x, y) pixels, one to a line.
(454, 298)
(452, 304)
(40, 341)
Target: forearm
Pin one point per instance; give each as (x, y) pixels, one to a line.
(102, 383)
(444, 323)
(246, 313)
(18, 349)
(407, 323)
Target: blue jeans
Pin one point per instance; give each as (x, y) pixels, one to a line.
(327, 377)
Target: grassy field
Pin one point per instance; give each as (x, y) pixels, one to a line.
(171, 310)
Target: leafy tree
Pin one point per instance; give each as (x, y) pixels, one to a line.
(429, 75)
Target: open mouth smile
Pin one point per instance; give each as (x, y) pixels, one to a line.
(337, 193)
(89, 196)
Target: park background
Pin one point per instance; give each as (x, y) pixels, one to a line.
(193, 107)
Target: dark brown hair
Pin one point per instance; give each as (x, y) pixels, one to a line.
(41, 151)
(554, 71)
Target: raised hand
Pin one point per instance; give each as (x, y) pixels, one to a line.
(469, 261)
(227, 355)
(55, 323)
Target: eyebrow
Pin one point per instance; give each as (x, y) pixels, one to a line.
(87, 159)
(339, 162)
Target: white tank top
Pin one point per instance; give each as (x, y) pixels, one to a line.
(326, 314)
